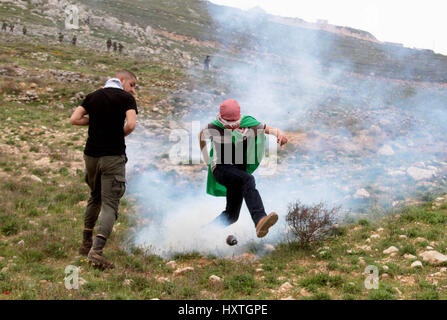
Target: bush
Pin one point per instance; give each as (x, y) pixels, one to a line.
(310, 223)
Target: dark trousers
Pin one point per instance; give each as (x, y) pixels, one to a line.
(106, 178)
(240, 186)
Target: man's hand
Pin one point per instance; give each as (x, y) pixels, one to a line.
(78, 118)
(131, 122)
(280, 137)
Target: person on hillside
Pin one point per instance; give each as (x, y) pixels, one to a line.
(105, 157)
(4, 26)
(109, 44)
(24, 30)
(237, 148)
(120, 48)
(206, 63)
(74, 40)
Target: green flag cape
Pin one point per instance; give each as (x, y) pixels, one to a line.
(255, 154)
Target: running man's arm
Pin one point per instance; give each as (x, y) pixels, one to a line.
(131, 122)
(203, 148)
(281, 138)
(78, 118)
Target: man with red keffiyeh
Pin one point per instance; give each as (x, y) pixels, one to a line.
(237, 148)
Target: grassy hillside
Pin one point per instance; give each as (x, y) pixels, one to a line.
(42, 169)
(44, 196)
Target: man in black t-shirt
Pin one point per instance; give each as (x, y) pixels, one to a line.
(110, 113)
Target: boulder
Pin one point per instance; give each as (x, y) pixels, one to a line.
(433, 257)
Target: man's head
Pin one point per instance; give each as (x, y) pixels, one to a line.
(230, 110)
(128, 80)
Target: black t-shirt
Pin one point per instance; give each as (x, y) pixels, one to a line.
(107, 109)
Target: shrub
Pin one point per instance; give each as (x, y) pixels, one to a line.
(310, 223)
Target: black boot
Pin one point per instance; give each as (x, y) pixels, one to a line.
(95, 256)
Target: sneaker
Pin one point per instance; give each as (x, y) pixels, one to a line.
(262, 228)
(97, 259)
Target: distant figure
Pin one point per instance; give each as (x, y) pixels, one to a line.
(11, 28)
(114, 47)
(24, 30)
(61, 37)
(4, 26)
(109, 44)
(120, 48)
(73, 41)
(206, 63)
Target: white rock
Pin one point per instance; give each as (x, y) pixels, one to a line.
(269, 248)
(35, 178)
(171, 264)
(390, 250)
(361, 194)
(285, 287)
(409, 256)
(433, 257)
(21, 243)
(402, 236)
(375, 236)
(182, 271)
(416, 264)
(215, 279)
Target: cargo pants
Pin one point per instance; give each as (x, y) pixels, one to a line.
(106, 177)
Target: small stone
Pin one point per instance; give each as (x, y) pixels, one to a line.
(390, 250)
(171, 264)
(409, 256)
(21, 243)
(127, 282)
(402, 236)
(375, 236)
(285, 287)
(429, 248)
(36, 179)
(160, 279)
(259, 270)
(420, 239)
(385, 268)
(215, 279)
(288, 298)
(416, 264)
(182, 271)
(385, 276)
(361, 194)
(433, 257)
(269, 248)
